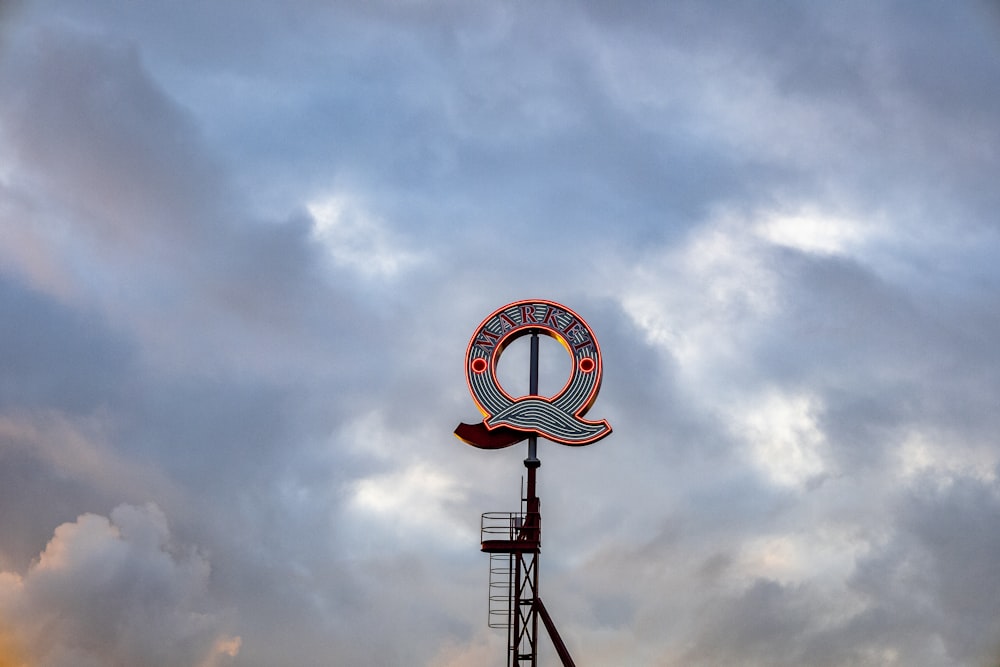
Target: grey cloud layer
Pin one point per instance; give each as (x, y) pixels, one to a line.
(242, 247)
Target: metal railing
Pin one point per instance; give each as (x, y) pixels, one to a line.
(501, 525)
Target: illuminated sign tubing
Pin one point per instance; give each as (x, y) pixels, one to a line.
(509, 419)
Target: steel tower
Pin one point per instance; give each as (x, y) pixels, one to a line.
(513, 539)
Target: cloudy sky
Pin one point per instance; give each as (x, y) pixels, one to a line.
(243, 245)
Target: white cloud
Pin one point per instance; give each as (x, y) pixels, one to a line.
(785, 440)
(703, 302)
(822, 555)
(944, 458)
(358, 241)
(813, 231)
(411, 502)
(115, 591)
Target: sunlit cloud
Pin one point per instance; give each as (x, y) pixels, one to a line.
(702, 302)
(825, 555)
(413, 501)
(786, 443)
(923, 455)
(358, 241)
(115, 590)
(813, 232)
(481, 650)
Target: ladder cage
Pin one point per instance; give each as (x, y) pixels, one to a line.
(501, 590)
(501, 526)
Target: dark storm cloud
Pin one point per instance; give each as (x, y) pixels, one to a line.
(58, 365)
(88, 120)
(54, 356)
(933, 574)
(159, 382)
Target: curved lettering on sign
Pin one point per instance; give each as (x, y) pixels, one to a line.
(510, 419)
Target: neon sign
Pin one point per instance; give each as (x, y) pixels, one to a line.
(507, 419)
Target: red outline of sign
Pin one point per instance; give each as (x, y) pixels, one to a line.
(523, 329)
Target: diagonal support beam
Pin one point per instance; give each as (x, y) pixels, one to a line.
(550, 627)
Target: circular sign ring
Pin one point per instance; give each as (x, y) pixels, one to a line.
(559, 418)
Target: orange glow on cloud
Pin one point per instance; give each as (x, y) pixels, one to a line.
(10, 653)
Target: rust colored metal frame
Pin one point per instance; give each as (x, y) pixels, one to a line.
(524, 606)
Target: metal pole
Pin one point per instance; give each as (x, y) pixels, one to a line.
(514, 647)
(534, 518)
(532, 463)
(533, 390)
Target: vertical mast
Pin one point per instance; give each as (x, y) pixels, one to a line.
(513, 539)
